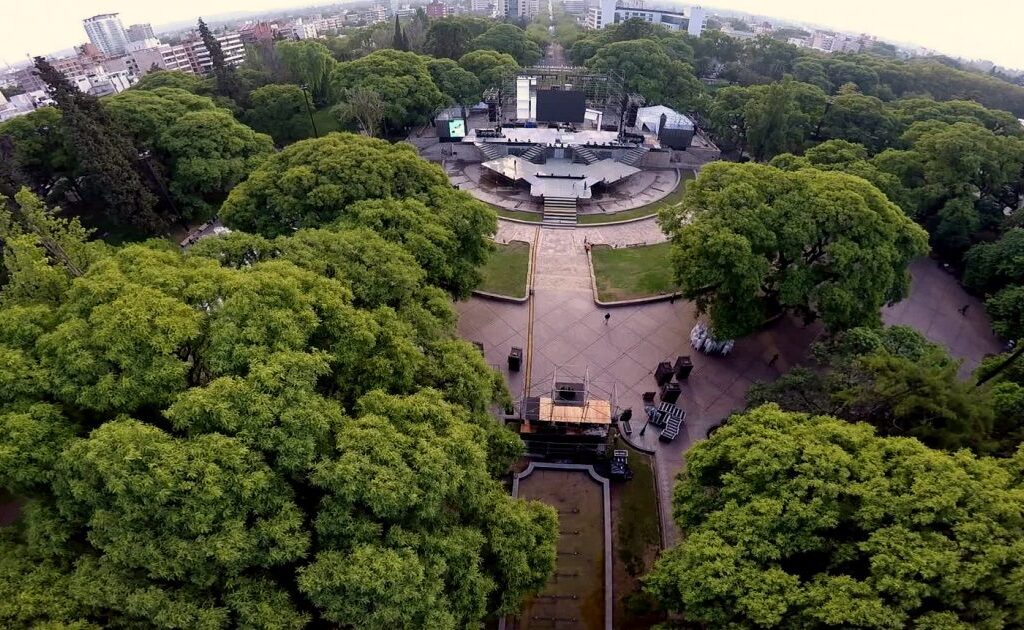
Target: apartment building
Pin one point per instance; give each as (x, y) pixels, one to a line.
(107, 33)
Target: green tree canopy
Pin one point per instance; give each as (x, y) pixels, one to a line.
(109, 167)
(202, 148)
(459, 85)
(451, 36)
(251, 434)
(752, 240)
(649, 70)
(991, 266)
(490, 67)
(901, 383)
(279, 111)
(41, 154)
(311, 64)
(861, 119)
(808, 521)
(175, 79)
(314, 183)
(401, 79)
(511, 40)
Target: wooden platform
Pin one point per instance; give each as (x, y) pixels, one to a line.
(592, 412)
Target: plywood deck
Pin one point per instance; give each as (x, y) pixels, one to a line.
(593, 412)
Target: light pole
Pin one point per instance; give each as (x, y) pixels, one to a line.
(309, 110)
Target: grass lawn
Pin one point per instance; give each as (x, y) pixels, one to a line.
(671, 199)
(532, 217)
(632, 272)
(505, 272)
(637, 540)
(639, 527)
(325, 122)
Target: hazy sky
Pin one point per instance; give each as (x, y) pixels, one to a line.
(985, 29)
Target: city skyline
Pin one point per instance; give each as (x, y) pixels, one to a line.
(943, 25)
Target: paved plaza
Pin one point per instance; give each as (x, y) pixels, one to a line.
(570, 333)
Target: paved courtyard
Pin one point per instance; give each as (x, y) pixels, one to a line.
(570, 334)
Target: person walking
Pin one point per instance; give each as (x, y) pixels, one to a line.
(963, 309)
(607, 316)
(773, 360)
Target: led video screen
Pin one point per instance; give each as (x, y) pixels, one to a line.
(457, 128)
(567, 106)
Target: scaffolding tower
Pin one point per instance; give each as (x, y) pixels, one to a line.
(603, 91)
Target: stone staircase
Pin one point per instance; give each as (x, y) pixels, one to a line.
(534, 154)
(489, 151)
(633, 156)
(559, 212)
(584, 155)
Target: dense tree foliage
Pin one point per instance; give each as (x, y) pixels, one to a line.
(752, 240)
(460, 85)
(490, 67)
(511, 40)
(311, 64)
(108, 165)
(450, 37)
(319, 182)
(280, 112)
(401, 79)
(804, 521)
(254, 434)
(767, 120)
(203, 149)
(902, 384)
(649, 70)
(174, 79)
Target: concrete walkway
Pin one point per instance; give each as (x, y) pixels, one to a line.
(569, 332)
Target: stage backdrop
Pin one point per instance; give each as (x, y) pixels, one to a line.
(567, 106)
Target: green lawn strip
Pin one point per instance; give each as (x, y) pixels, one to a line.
(639, 526)
(505, 271)
(671, 199)
(633, 272)
(532, 217)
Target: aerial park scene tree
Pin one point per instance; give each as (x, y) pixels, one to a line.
(280, 427)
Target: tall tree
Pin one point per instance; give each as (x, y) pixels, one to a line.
(223, 74)
(511, 40)
(402, 80)
(797, 521)
(108, 161)
(398, 42)
(752, 241)
(311, 64)
(364, 107)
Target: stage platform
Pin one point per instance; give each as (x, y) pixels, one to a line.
(548, 136)
(560, 177)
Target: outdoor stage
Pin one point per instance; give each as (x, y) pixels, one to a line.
(551, 137)
(560, 177)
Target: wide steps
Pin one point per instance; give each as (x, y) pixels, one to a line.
(489, 151)
(559, 212)
(534, 154)
(584, 155)
(633, 156)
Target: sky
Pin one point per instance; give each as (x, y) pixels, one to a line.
(980, 29)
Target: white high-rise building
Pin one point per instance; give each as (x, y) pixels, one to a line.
(698, 17)
(607, 12)
(107, 33)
